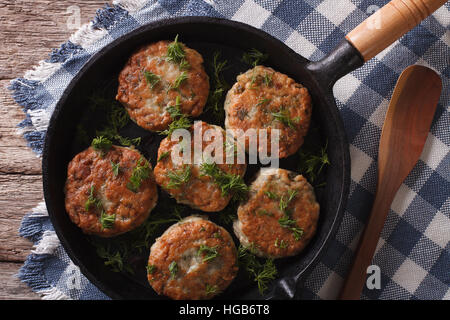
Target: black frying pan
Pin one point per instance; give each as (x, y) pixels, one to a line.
(232, 38)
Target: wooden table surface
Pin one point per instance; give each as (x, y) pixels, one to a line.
(29, 30)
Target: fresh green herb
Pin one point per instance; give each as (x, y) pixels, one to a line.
(173, 269)
(228, 215)
(271, 195)
(101, 144)
(139, 174)
(228, 183)
(151, 78)
(176, 54)
(116, 118)
(264, 212)
(151, 268)
(284, 201)
(180, 120)
(263, 101)
(312, 162)
(218, 88)
(112, 258)
(107, 220)
(209, 253)
(163, 156)
(286, 222)
(92, 200)
(284, 117)
(184, 65)
(175, 51)
(254, 57)
(282, 244)
(217, 235)
(119, 252)
(115, 168)
(178, 81)
(178, 177)
(262, 273)
(268, 79)
(211, 289)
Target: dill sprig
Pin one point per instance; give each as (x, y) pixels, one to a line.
(262, 273)
(163, 156)
(115, 168)
(173, 269)
(176, 54)
(284, 117)
(92, 200)
(312, 162)
(282, 244)
(178, 81)
(118, 253)
(211, 289)
(209, 253)
(151, 268)
(286, 200)
(254, 57)
(107, 220)
(287, 223)
(113, 258)
(180, 120)
(218, 89)
(101, 144)
(271, 195)
(178, 177)
(151, 78)
(116, 119)
(140, 173)
(229, 183)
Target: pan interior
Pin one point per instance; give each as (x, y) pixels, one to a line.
(207, 36)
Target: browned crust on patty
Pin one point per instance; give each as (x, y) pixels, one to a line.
(91, 168)
(181, 243)
(200, 192)
(260, 92)
(259, 216)
(146, 105)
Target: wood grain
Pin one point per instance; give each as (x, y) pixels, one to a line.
(405, 130)
(12, 288)
(389, 23)
(29, 30)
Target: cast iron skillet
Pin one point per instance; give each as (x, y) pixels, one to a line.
(205, 35)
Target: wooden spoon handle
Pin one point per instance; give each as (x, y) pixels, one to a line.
(389, 23)
(356, 278)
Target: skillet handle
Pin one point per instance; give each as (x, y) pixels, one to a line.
(389, 23)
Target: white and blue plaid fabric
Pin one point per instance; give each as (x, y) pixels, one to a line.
(414, 250)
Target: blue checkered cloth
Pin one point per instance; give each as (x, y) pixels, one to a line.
(413, 252)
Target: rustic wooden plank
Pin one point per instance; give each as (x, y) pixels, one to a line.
(31, 28)
(15, 156)
(18, 195)
(12, 288)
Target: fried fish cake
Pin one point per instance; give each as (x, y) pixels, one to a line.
(194, 259)
(280, 216)
(158, 76)
(263, 98)
(104, 196)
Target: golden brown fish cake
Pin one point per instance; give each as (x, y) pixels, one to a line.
(98, 195)
(194, 259)
(280, 216)
(197, 190)
(150, 82)
(265, 99)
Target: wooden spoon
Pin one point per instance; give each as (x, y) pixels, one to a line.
(405, 131)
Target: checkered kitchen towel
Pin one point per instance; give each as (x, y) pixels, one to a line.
(414, 250)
